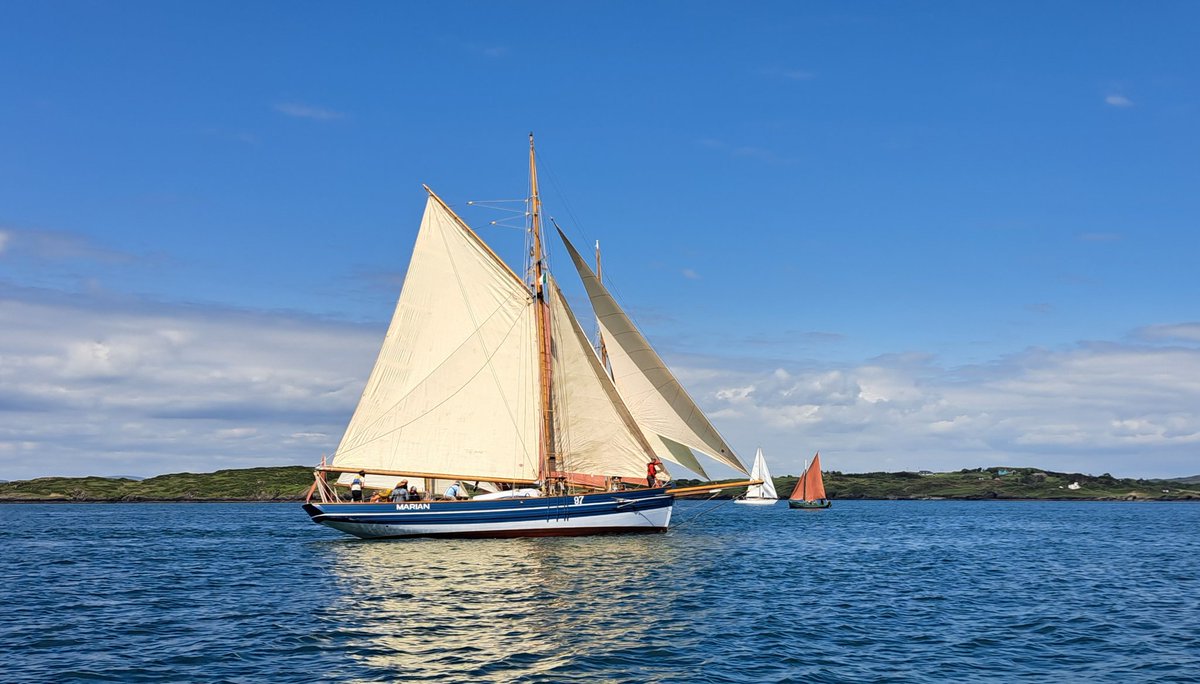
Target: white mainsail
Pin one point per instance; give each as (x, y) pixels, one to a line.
(454, 390)
(766, 490)
(596, 434)
(654, 396)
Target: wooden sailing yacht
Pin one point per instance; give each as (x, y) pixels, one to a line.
(810, 488)
(760, 494)
(486, 377)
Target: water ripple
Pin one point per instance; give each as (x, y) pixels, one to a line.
(866, 591)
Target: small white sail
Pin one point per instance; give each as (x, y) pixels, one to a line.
(454, 389)
(766, 490)
(654, 396)
(596, 434)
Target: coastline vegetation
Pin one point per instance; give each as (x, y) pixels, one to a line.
(284, 483)
(997, 482)
(291, 483)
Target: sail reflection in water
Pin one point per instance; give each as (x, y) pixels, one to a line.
(462, 610)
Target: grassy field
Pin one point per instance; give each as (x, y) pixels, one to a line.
(289, 483)
(286, 483)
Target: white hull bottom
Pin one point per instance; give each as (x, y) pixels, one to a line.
(758, 502)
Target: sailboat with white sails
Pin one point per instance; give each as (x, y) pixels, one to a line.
(760, 494)
(486, 377)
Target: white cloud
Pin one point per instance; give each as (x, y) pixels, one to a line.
(1127, 409)
(58, 246)
(93, 387)
(1116, 100)
(790, 74)
(89, 386)
(690, 274)
(1187, 332)
(303, 111)
(745, 151)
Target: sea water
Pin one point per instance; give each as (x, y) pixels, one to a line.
(864, 591)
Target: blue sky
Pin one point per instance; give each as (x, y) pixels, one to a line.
(910, 235)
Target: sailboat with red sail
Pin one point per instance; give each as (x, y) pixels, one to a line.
(809, 492)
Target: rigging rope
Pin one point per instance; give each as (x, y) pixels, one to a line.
(705, 511)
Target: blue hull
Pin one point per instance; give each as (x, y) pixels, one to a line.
(643, 510)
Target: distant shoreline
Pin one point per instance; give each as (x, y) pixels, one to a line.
(148, 501)
(689, 498)
(290, 484)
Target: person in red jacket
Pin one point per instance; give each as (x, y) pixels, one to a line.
(652, 469)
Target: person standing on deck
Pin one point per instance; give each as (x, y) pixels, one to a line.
(400, 491)
(652, 469)
(356, 486)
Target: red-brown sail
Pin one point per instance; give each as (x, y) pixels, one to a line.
(810, 486)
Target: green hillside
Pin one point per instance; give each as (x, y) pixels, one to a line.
(990, 483)
(286, 483)
(289, 483)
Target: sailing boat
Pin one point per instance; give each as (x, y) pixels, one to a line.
(810, 488)
(760, 494)
(486, 377)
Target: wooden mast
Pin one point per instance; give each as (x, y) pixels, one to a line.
(549, 459)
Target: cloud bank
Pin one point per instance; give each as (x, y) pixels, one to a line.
(1129, 409)
(90, 385)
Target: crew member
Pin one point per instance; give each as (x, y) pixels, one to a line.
(400, 492)
(652, 469)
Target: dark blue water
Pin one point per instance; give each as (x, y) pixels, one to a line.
(866, 591)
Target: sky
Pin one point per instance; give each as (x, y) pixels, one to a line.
(921, 235)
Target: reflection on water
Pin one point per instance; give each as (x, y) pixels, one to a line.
(475, 608)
